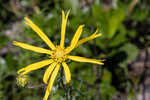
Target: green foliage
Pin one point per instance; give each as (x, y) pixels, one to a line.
(3, 41)
(123, 35)
(108, 21)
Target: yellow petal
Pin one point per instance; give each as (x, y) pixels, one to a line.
(40, 33)
(63, 27)
(82, 59)
(35, 66)
(51, 81)
(32, 48)
(67, 72)
(48, 72)
(93, 36)
(75, 39)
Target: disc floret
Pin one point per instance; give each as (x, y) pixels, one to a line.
(59, 55)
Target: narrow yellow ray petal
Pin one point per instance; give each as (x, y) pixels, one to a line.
(63, 27)
(48, 72)
(32, 48)
(82, 59)
(67, 72)
(40, 33)
(75, 39)
(91, 37)
(35, 66)
(51, 81)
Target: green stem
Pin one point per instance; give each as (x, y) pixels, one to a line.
(64, 85)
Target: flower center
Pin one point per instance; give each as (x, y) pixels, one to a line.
(59, 54)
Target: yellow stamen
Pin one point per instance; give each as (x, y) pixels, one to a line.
(59, 54)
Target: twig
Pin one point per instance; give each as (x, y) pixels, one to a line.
(132, 5)
(36, 86)
(97, 73)
(98, 95)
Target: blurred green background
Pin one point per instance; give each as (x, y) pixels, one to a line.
(125, 42)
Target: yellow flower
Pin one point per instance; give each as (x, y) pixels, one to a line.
(58, 54)
(22, 80)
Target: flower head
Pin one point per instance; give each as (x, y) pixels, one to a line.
(58, 54)
(22, 80)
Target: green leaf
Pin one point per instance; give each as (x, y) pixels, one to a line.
(11, 62)
(120, 37)
(108, 21)
(115, 19)
(132, 33)
(106, 78)
(131, 50)
(3, 41)
(3, 66)
(140, 15)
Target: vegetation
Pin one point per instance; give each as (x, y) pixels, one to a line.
(124, 45)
